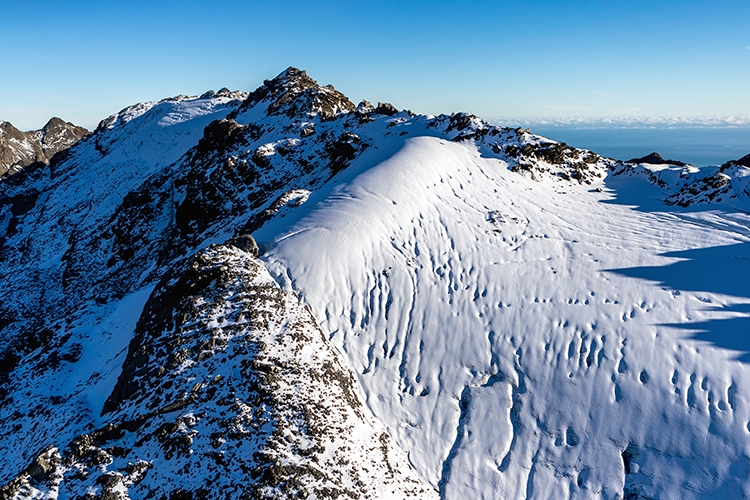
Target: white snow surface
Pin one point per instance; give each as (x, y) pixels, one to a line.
(115, 161)
(526, 339)
(102, 170)
(519, 334)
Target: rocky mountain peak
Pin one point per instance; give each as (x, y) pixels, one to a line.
(20, 149)
(58, 134)
(290, 78)
(293, 93)
(744, 161)
(54, 123)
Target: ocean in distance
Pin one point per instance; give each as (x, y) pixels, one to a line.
(699, 145)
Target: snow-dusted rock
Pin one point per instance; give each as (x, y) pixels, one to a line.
(685, 185)
(229, 390)
(21, 149)
(524, 319)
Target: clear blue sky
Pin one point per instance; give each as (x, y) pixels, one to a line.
(85, 60)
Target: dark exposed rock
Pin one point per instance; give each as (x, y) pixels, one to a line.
(569, 164)
(343, 150)
(223, 92)
(40, 470)
(555, 153)
(460, 121)
(221, 135)
(24, 202)
(244, 242)
(385, 108)
(656, 159)
(707, 189)
(364, 108)
(293, 198)
(364, 111)
(308, 130)
(21, 149)
(293, 93)
(744, 162)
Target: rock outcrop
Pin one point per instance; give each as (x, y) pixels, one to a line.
(229, 381)
(21, 149)
(656, 159)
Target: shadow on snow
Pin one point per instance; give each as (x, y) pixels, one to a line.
(719, 270)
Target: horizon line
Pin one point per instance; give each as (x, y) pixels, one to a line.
(644, 121)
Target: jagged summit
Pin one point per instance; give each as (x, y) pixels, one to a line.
(21, 149)
(293, 93)
(291, 77)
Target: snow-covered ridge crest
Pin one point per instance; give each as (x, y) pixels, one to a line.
(499, 299)
(171, 115)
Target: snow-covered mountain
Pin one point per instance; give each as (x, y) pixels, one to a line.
(440, 307)
(21, 149)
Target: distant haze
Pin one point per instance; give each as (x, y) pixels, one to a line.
(628, 121)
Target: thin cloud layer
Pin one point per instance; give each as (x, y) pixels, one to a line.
(630, 122)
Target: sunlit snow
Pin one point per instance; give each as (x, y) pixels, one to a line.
(528, 339)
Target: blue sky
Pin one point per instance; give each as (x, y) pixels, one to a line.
(85, 60)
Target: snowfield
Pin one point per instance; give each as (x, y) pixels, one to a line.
(528, 339)
(439, 307)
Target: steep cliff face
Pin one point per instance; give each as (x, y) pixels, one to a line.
(21, 149)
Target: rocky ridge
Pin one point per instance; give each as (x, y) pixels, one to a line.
(227, 378)
(21, 149)
(114, 296)
(685, 185)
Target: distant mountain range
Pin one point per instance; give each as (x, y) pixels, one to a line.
(284, 294)
(21, 149)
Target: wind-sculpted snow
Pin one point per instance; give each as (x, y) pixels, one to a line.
(501, 332)
(525, 319)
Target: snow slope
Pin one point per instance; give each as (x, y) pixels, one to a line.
(524, 319)
(230, 382)
(528, 339)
